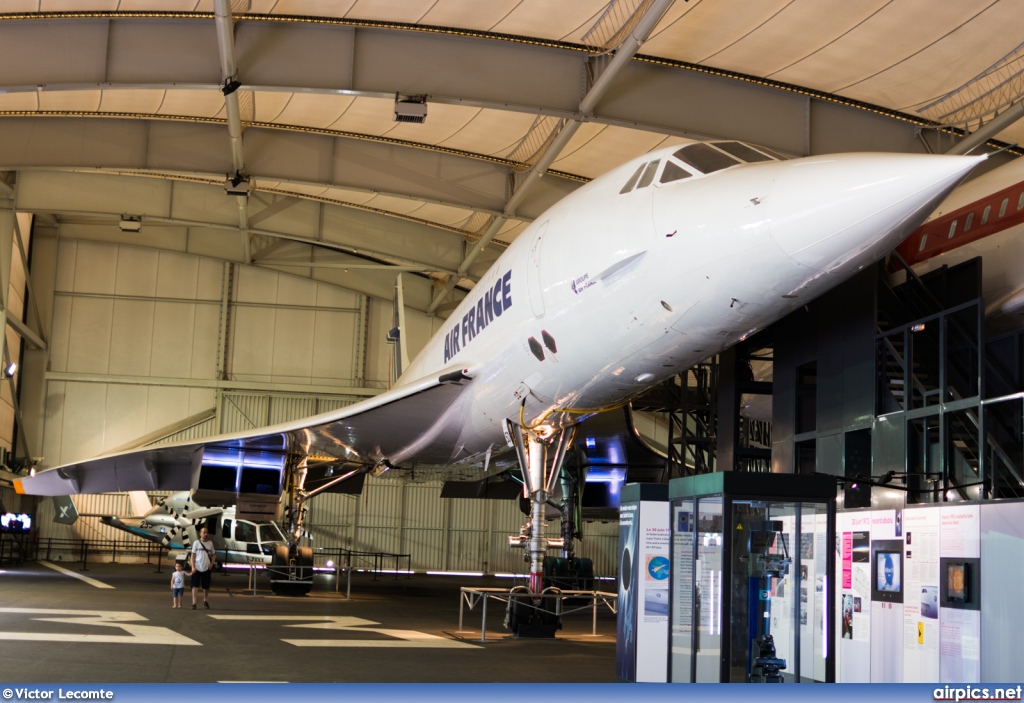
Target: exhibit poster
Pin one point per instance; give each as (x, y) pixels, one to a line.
(959, 601)
(921, 598)
(653, 595)
(625, 648)
(853, 594)
(888, 590)
(860, 592)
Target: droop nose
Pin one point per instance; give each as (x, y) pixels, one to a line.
(826, 211)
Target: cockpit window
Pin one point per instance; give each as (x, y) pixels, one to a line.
(245, 531)
(742, 152)
(674, 172)
(632, 180)
(705, 158)
(269, 532)
(648, 176)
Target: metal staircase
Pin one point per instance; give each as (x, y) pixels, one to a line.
(928, 358)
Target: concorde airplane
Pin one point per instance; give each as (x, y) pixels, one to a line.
(174, 523)
(983, 217)
(654, 266)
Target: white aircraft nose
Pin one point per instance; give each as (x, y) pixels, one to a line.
(829, 210)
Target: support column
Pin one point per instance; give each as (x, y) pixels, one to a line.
(20, 445)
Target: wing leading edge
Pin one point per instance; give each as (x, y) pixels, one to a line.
(419, 421)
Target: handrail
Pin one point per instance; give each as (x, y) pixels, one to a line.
(470, 596)
(989, 440)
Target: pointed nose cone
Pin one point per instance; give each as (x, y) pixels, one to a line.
(850, 209)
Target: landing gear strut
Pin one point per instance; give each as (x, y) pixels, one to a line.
(530, 613)
(291, 571)
(292, 566)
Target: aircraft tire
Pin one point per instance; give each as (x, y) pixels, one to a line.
(523, 619)
(304, 563)
(291, 580)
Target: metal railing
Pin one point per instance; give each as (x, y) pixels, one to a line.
(346, 561)
(470, 597)
(77, 550)
(376, 562)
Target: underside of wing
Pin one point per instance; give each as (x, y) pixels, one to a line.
(418, 422)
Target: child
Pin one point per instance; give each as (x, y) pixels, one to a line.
(178, 583)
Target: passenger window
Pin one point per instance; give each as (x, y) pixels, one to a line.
(245, 531)
(924, 240)
(648, 176)
(673, 172)
(632, 180)
(225, 530)
(705, 158)
(742, 152)
(952, 229)
(1020, 202)
(984, 214)
(1003, 205)
(968, 222)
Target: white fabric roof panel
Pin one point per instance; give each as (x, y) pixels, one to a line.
(905, 56)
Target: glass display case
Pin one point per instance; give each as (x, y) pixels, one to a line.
(752, 559)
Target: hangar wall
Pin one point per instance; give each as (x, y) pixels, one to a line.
(394, 516)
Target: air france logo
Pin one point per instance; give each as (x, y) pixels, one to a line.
(496, 300)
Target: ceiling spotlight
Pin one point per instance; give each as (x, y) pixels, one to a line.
(410, 108)
(130, 223)
(237, 185)
(9, 370)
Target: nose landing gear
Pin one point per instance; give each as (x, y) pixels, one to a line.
(534, 610)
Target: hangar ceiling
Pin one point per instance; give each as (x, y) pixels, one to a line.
(143, 108)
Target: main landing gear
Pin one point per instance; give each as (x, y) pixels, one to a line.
(291, 570)
(534, 610)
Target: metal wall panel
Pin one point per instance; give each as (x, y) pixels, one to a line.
(243, 411)
(206, 428)
(382, 506)
(423, 506)
(331, 518)
(829, 454)
(425, 546)
(326, 404)
(601, 544)
(11, 500)
(285, 408)
(466, 551)
(468, 513)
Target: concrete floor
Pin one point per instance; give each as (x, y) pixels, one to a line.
(120, 628)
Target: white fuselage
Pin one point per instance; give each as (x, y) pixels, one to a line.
(620, 285)
(620, 291)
